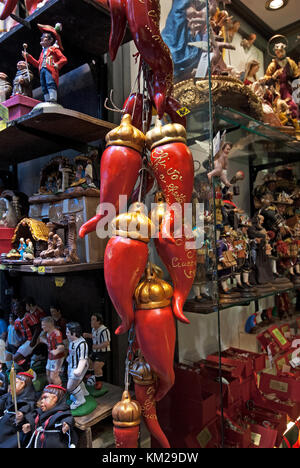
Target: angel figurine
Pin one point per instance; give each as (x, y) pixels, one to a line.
(221, 164)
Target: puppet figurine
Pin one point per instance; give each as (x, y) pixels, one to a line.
(281, 71)
(10, 422)
(50, 62)
(220, 164)
(251, 71)
(28, 254)
(22, 83)
(100, 350)
(51, 425)
(77, 365)
(5, 87)
(53, 338)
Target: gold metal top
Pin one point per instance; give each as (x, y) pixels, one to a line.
(153, 292)
(158, 213)
(134, 224)
(141, 372)
(126, 135)
(127, 412)
(161, 135)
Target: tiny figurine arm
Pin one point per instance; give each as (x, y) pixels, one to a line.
(65, 427)
(81, 365)
(100, 346)
(58, 350)
(87, 335)
(61, 59)
(31, 59)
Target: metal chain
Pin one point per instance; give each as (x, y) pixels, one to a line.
(130, 355)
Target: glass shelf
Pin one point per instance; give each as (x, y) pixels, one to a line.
(238, 303)
(254, 141)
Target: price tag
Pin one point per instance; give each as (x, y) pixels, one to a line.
(4, 113)
(34, 269)
(183, 111)
(255, 438)
(3, 125)
(60, 281)
(2, 267)
(41, 270)
(204, 437)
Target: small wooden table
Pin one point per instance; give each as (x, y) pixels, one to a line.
(103, 411)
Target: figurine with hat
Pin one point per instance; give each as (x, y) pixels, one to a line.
(52, 424)
(15, 407)
(51, 60)
(281, 72)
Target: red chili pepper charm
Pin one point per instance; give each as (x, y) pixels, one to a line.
(126, 418)
(155, 329)
(180, 258)
(9, 7)
(144, 389)
(118, 26)
(120, 165)
(125, 260)
(172, 162)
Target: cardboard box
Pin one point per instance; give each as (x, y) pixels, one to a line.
(285, 387)
(6, 235)
(263, 437)
(246, 362)
(207, 437)
(189, 404)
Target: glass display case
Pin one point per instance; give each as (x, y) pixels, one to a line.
(245, 145)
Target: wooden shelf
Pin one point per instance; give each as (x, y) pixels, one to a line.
(48, 131)
(85, 34)
(50, 270)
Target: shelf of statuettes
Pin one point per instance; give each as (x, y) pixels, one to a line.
(206, 308)
(85, 33)
(50, 270)
(49, 130)
(253, 139)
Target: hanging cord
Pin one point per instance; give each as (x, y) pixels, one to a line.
(129, 356)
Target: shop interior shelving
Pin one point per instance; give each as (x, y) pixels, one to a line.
(85, 34)
(49, 130)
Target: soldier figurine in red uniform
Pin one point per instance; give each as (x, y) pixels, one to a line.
(50, 62)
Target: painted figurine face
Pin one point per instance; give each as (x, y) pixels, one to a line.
(21, 65)
(47, 401)
(280, 52)
(94, 322)
(55, 313)
(20, 385)
(46, 326)
(46, 40)
(71, 337)
(227, 149)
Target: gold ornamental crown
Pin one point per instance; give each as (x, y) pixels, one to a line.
(141, 372)
(134, 224)
(161, 135)
(127, 412)
(160, 209)
(153, 292)
(126, 135)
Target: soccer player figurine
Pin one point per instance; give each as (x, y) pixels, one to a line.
(50, 62)
(52, 423)
(53, 338)
(77, 365)
(100, 350)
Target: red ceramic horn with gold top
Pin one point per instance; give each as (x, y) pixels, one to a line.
(145, 389)
(125, 260)
(155, 328)
(172, 162)
(126, 419)
(119, 170)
